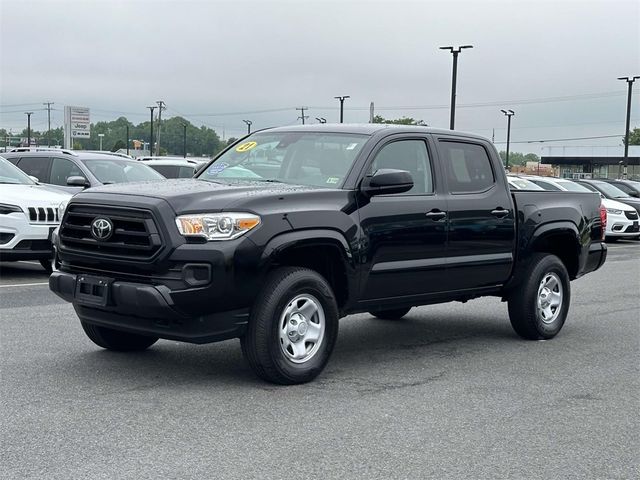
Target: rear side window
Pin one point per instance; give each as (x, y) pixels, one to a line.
(468, 167)
(168, 171)
(36, 167)
(186, 172)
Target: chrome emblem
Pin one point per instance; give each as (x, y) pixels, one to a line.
(101, 228)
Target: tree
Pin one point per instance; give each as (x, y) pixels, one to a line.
(118, 145)
(398, 121)
(517, 158)
(634, 137)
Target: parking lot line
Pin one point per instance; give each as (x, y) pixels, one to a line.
(24, 284)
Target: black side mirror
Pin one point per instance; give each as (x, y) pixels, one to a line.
(78, 181)
(387, 181)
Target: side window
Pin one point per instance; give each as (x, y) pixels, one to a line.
(546, 185)
(409, 155)
(167, 171)
(61, 169)
(186, 172)
(468, 167)
(36, 166)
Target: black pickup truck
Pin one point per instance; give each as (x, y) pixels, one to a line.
(292, 228)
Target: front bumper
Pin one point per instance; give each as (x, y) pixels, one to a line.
(145, 309)
(27, 241)
(619, 226)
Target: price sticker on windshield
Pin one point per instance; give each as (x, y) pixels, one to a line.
(245, 147)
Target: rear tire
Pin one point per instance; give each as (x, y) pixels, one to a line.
(292, 328)
(538, 307)
(117, 340)
(394, 314)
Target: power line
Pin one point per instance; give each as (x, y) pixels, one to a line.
(563, 139)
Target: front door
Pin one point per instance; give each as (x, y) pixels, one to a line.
(404, 234)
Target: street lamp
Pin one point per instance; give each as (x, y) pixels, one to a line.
(100, 135)
(184, 139)
(249, 123)
(455, 51)
(321, 119)
(509, 114)
(342, 99)
(28, 114)
(629, 81)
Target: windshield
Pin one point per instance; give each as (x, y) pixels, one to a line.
(572, 186)
(11, 174)
(121, 171)
(522, 184)
(611, 190)
(302, 158)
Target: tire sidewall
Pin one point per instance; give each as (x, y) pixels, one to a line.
(304, 283)
(550, 264)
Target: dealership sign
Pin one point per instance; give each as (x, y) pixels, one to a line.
(77, 124)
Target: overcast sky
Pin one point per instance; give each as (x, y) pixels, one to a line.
(207, 58)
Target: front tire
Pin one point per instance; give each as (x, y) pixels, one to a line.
(395, 314)
(115, 339)
(292, 328)
(538, 307)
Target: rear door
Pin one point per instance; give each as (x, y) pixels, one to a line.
(481, 227)
(38, 167)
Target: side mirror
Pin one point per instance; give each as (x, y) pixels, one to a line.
(78, 181)
(35, 179)
(387, 181)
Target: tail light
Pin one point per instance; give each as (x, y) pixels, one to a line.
(603, 220)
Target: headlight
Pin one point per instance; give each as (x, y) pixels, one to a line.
(614, 211)
(7, 209)
(216, 226)
(61, 209)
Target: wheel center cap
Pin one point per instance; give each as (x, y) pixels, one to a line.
(302, 328)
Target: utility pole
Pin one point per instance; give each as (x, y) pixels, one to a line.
(455, 51)
(629, 81)
(28, 114)
(248, 122)
(321, 119)
(509, 114)
(184, 140)
(48, 104)
(151, 109)
(160, 108)
(371, 112)
(302, 115)
(342, 99)
(127, 139)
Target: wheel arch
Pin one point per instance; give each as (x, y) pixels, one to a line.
(561, 239)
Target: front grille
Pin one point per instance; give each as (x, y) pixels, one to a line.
(43, 215)
(135, 234)
(632, 229)
(631, 214)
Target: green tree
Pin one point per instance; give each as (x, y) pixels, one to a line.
(634, 137)
(398, 121)
(517, 158)
(118, 145)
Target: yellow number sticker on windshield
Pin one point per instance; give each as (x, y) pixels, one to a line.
(245, 147)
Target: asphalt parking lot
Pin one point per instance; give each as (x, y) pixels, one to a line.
(449, 392)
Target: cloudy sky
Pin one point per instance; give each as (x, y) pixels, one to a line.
(554, 63)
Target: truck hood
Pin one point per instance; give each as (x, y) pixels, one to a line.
(191, 195)
(31, 196)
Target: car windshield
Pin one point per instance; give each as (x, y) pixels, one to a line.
(302, 158)
(120, 171)
(572, 186)
(611, 190)
(522, 184)
(11, 174)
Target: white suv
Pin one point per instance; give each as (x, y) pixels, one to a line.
(28, 216)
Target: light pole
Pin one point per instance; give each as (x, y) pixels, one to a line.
(151, 109)
(342, 99)
(321, 119)
(629, 81)
(100, 135)
(248, 122)
(509, 114)
(184, 139)
(28, 114)
(127, 139)
(455, 51)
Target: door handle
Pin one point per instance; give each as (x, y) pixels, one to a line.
(500, 212)
(436, 215)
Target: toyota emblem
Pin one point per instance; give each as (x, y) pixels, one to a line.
(101, 228)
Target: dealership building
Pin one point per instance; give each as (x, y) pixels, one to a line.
(593, 162)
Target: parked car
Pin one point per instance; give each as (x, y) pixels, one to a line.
(72, 171)
(630, 187)
(28, 216)
(622, 219)
(174, 168)
(518, 183)
(353, 218)
(612, 192)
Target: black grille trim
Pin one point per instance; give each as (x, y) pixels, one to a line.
(631, 215)
(135, 236)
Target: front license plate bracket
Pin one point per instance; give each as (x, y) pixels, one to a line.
(92, 290)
